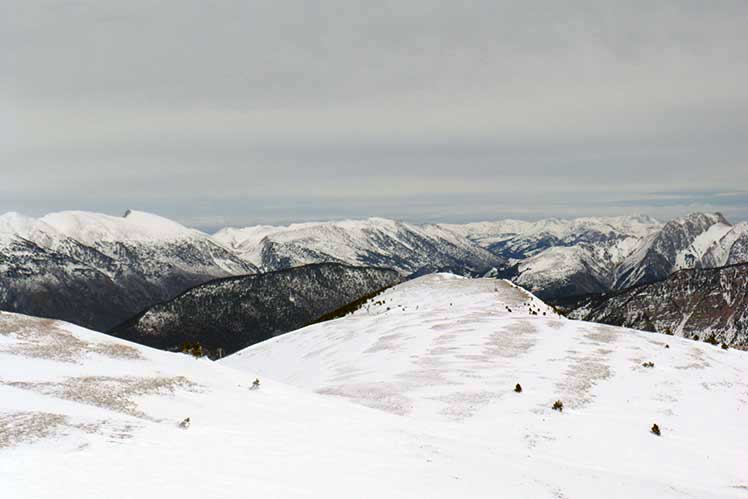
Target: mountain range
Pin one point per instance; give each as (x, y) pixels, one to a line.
(98, 270)
(405, 247)
(101, 271)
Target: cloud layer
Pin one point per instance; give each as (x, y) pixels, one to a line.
(274, 111)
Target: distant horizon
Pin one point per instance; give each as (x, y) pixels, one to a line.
(211, 229)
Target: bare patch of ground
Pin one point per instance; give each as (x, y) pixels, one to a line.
(382, 396)
(108, 392)
(389, 342)
(511, 341)
(45, 339)
(586, 371)
(28, 427)
(462, 405)
(698, 360)
(425, 377)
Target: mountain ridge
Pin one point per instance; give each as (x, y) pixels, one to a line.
(230, 313)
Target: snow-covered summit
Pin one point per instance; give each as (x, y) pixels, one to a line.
(135, 226)
(14, 225)
(448, 352)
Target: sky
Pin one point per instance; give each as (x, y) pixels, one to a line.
(246, 112)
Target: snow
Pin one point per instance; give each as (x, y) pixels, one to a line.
(723, 252)
(437, 372)
(447, 352)
(89, 228)
(487, 233)
(348, 241)
(15, 225)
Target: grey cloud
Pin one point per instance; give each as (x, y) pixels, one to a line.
(275, 111)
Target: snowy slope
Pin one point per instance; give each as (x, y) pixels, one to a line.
(14, 226)
(569, 270)
(447, 351)
(98, 416)
(729, 249)
(87, 416)
(691, 256)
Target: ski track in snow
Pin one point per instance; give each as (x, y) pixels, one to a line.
(414, 398)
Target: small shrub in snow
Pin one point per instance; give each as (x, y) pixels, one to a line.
(668, 331)
(194, 349)
(648, 364)
(518, 388)
(558, 406)
(655, 429)
(711, 339)
(724, 346)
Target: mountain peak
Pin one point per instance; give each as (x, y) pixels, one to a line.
(87, 227)
(701, 218)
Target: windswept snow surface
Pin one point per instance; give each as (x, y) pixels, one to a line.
(445, 353)
(89, 416)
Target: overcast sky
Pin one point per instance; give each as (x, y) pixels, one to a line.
(243, 112)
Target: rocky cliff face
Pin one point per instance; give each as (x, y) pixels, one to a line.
(692, 302)
(236, 312)
(681, 243)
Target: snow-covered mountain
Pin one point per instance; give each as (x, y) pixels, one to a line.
(518, 240)
(701, 302)
(381, 242)
(680, 244)
(98, 270)
(416, 400)
(554, 257)
(561, 258)
(234, 312)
